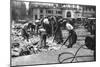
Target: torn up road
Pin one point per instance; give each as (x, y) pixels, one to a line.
(48, 57)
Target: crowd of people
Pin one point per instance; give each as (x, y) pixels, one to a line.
(52, 26)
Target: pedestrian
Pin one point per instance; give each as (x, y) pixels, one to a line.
(72, 35)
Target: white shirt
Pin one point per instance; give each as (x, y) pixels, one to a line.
(37, 21)
(42, 29)
(69, 26)
(46, 21)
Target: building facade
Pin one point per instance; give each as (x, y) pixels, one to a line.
(40, 10)
(88, 11)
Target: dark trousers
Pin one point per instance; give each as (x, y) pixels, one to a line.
(72, 38)
(42, 41)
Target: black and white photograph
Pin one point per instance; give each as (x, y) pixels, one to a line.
(45, 33)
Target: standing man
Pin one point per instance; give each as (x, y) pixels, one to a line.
(58, 33)
(43, 36)
(37, 22)
(47, 26)
(44, 31)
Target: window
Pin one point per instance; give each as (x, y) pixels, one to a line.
(71, 6)
(49, 11)
(41, 11)
(68, 14)
(35, 17)
(91, 9)
(58, 12)
(68, 6)
(88, 9)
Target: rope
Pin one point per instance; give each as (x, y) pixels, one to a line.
(74, 56)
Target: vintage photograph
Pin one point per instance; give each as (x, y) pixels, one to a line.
(43, 33)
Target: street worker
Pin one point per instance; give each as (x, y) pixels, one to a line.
(24, 33)
(52, 21)
(72, 35)
(37, 22)
(58, 34)
(31, 26)
(43, 36)
(46, 25)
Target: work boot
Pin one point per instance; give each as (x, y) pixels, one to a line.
(69, 46)
(46, 47)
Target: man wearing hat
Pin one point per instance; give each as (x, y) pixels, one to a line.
(72, 34)
(47, 26)
(44, 32)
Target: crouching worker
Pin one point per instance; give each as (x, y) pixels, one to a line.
(43, 36)
(25, 35)
(72, 35)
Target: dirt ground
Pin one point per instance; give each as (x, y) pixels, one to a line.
(51, 56)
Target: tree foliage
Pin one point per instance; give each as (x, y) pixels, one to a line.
(18, 10)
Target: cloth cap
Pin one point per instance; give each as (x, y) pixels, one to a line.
(46, 21)
(69, 26)
(37, 21)
(42, 29)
